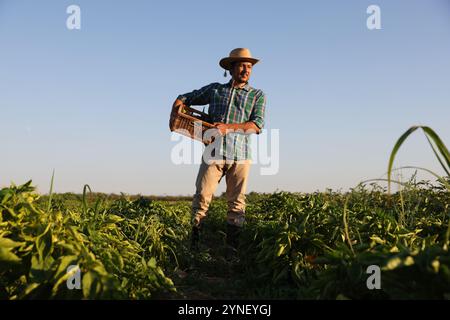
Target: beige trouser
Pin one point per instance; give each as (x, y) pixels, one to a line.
(209, 176)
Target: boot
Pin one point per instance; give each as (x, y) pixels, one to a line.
(233, 233)
(195, 238)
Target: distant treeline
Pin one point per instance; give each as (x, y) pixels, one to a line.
(112, 196)
(67, 196)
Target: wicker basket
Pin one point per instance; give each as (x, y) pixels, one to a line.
(190, 122)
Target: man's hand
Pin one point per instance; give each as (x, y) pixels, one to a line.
(174, 111)
(246, 127)
(222, 127)
(177, 103)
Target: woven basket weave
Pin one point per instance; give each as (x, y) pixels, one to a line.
(190, 122)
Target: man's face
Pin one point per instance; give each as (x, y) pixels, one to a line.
(241, 71)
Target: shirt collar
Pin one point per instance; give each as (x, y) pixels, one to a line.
(246, 87)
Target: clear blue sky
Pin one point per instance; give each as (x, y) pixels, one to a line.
(93, 104)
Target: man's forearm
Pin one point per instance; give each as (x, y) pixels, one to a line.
(247, 127)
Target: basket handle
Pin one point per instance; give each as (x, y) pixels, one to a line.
(194, 111)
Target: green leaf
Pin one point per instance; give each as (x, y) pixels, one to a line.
(100, 269)
(8, 243)
(429, 133)
(435, 265)
(44, 244)
(41, 270)
(64, 263)
(440, 145)
(51, 192)
(395, 150)
(85, 188)
(29, 290)
(61, 274)
(119, 260)
(281, 250)
(152, 263)
(91, 285)
(377, 240)
(112, 218)
(7, 256)
(393, 263)
(5, 195)
(88, 280)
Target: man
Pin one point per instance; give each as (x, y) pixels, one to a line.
(236, 109)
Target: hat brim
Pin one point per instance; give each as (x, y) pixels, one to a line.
(226, 62)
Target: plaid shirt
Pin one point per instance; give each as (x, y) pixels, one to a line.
(231, 105)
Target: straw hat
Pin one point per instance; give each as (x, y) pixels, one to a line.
(238, 54)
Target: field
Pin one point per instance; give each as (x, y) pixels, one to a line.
(368, 243)
(294, 246)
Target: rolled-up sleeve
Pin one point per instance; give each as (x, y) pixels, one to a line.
(198, 97)
(257, 115)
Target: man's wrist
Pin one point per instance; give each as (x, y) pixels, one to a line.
(248, 127)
